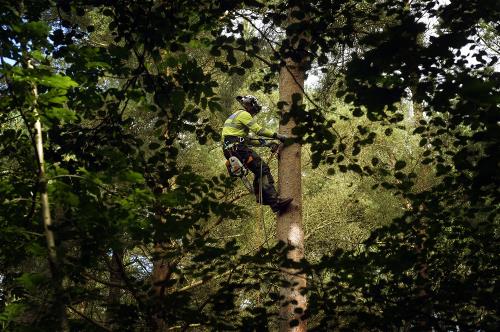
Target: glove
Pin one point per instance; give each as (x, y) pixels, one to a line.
(281, 137)
(273, 146)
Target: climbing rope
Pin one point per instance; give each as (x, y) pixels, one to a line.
(261, 207)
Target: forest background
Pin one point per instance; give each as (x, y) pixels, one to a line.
(116, 210)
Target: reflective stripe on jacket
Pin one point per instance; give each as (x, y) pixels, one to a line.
(240, 123)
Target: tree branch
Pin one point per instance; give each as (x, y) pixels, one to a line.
(286, 67)
(88, 319)
(103, 282)
(202, 282)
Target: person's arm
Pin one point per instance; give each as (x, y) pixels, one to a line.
(260, 142)
(249, 122)
(254, 141)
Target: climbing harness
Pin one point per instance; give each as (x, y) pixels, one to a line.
(236, 168)
(261, 208)
(228, 145)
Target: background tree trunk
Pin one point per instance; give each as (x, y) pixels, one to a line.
(161, 274)
(115, 293)
(289, 224)
(59, 303)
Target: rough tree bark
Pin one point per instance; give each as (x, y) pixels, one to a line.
(115, 293)
(162, 272)
(289, 224)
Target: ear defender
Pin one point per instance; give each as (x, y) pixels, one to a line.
(249, 102)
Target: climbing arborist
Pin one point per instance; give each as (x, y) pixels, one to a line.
(237, 143)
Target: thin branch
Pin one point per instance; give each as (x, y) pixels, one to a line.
(3, 64)
(323, 225)
(200, 309)
(265, 61)
(221, 218)
(138, 261)
(12, 118)
(88, 319)
(488, 45)
(178, 327)
(103, 282)
(228, 236)
(204, 281)
(269, 41)
(125, 279)
(83, 178)
(301, 87)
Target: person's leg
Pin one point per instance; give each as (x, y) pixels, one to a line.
(264, 178)
(261, 171)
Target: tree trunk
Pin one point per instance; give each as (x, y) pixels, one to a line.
(422, 283)
(115, 293)
(289, 224)
(161, 274)
(59, 305)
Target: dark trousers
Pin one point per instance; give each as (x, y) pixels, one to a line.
(259, 168)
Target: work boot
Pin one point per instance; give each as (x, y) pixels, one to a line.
(281, 204)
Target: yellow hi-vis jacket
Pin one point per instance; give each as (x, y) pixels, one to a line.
(240, 123)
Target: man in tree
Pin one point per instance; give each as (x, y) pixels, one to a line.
(237, 144)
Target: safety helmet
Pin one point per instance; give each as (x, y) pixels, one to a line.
(250, 103)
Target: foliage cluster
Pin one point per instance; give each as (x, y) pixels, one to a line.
(401, 212)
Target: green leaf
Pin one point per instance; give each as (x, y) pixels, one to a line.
(133, 177)
(60, 99)
(11, 312)
(247, 64)
(171, 61)
(419, 130)
(37, 29)
(399, 175)
(58, 81)
(170, 198)
(98, 64)
(36, 249)
(37, 55)
(356, 150)
(154, 146)
(400, 164)
(215, 52)
(214, 106)
(178, 99)
(357, 112)
(355, 168)
(60, 113)
(53, 96)
(30, 281)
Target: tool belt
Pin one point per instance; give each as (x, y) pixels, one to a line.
(230, 141)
